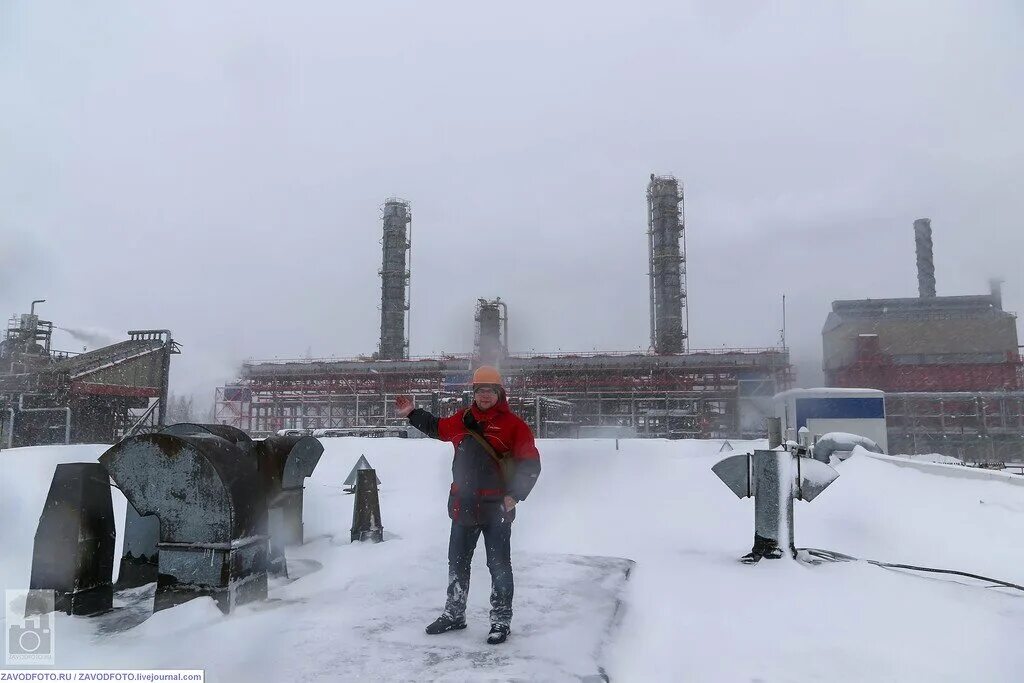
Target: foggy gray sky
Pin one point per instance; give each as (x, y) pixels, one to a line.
(217, 168)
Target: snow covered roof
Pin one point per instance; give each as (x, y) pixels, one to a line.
(689, 611)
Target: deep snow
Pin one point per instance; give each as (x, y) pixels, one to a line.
(691, 611)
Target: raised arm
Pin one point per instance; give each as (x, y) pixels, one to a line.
(423, 420)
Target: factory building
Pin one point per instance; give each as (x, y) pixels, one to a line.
(950, 365)
(49, 396)
(671, 391)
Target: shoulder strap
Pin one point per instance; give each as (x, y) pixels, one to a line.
(490, 450)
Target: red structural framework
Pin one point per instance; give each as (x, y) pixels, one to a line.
(696, 394)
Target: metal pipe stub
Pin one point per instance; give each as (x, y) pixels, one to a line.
(773, 504)
(774, 425)
(366, 522)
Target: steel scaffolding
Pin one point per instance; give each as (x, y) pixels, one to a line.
(977, 427)
(695, 395)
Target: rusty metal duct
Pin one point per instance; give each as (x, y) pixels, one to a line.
(208, 495)
(284, 462)
(394, 274)
(667, 245)
(925, 261)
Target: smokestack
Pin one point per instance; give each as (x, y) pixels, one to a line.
(995, 286)
(394, 275)
(925, 262)
(667, 244)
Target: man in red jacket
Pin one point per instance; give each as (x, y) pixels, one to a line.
(496, 465)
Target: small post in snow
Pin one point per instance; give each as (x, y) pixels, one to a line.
(366, 524)
(774, 432)
(773, 478)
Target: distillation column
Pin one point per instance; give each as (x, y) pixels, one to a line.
(491, 331)
(667, 244)
(394, 275)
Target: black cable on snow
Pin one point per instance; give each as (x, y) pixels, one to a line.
(998, 582)
(833, 556)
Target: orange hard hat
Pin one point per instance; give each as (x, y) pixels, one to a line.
(485, 374)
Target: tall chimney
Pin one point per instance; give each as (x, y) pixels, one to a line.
(666, 239)
(925, 262)
(394, 275)
(995, 286)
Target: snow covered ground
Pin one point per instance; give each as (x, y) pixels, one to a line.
(689, 611)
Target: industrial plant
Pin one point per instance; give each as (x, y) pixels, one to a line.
(950, 366)
(671, 391)
(49, 396)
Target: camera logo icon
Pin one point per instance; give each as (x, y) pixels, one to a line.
(30, 622)
(30, 638)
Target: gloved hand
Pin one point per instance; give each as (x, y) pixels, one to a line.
(404, 406)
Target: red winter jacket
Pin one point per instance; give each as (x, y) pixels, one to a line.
(478, 484)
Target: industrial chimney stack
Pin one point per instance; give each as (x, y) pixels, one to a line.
(995, 286)
(394, 275)
(667, 244)
(925, 262)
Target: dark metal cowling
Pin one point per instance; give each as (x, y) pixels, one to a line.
(284, 463)
(73, 553)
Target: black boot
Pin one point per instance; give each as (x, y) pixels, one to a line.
(498, 634)
(763, 548)
(445, 623)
